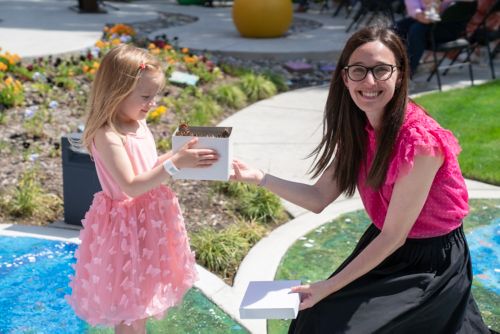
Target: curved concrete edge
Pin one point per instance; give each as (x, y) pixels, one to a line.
(263, 260)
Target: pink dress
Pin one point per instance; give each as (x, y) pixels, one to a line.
(447, 202)
(134, 260)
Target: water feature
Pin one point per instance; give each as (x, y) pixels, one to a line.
(34, 277)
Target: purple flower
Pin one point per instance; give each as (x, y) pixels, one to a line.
(53, 104)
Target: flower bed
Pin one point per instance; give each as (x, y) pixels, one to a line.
(44, 98)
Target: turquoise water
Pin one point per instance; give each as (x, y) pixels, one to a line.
(484, 244)
(33, 282)
(34, 277)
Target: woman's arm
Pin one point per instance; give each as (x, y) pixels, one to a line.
(115, 159)
(311, 197)
(408, 197)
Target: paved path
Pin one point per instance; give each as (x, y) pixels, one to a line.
(275, 134)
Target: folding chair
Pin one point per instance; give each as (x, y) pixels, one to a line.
(457, 12)
(482, 36)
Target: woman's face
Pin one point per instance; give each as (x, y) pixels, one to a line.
(369, 94)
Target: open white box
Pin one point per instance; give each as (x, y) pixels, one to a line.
(208, 137)
(270, 300)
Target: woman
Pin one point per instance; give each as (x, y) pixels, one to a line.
(411, 270)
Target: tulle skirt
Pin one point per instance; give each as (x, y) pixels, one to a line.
(134, 260)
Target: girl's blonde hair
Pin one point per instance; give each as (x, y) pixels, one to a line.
(115, 79)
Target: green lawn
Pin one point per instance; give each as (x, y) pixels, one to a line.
(473, 114)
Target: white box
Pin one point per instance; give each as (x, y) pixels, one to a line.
(270, 300)
(207, 139)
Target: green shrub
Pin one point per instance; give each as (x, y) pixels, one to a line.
(222, 251)
(277, 79)
(257, 87)
(219, 251)
(204, 109)
(252, 202)
(230, 95)
(28, 199)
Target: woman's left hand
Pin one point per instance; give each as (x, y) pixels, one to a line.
(310, 294)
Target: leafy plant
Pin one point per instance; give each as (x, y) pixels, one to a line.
(204, 109)
(219, 251)
(277, 79)
(28, 199)
(257, 87)
(252, 203)
(34, 125)
(230, 95)
(222, 251)
(11, 92)
(163, 144)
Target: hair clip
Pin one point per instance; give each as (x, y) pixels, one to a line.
(142, 66)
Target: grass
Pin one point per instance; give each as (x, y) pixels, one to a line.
(472, 115)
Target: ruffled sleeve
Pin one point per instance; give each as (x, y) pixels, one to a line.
(423, 138)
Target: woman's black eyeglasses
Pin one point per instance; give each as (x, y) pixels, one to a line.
(380, 72)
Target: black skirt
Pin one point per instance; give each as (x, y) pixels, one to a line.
(423, 287)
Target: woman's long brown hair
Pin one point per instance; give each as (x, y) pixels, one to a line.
(344, 137)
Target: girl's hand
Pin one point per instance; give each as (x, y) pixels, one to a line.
(310, 294)
(190, 157)
(245, 173)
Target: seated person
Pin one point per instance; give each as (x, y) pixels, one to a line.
(415, 29)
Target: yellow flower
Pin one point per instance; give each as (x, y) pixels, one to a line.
(116, 42)
(95, 65)
(155, 51)
(8, 81)
(3, 67)
(100, 44)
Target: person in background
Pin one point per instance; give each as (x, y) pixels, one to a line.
(415, 28)
(303, 6)
(411, 270)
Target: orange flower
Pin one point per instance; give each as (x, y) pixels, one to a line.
(167, 47)
(190, 60)
(121, 29)
(101, 44)
(3, 67)
(185, 50)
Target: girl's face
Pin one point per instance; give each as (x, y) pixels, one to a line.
(136, 105)
(372, 93)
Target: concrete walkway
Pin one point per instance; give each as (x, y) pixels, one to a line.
(275, 134)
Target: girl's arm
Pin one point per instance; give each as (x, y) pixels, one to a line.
(115, 159)
(408, 197)
(164, 157)
(311, 197)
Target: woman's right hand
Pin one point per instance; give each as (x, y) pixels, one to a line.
(188, 157)
(245, 173)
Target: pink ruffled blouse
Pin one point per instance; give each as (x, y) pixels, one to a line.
(447, 202)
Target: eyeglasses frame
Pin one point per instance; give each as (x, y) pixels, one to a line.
(370, 69)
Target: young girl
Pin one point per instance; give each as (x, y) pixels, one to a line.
(134, 260)
(411, 270)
